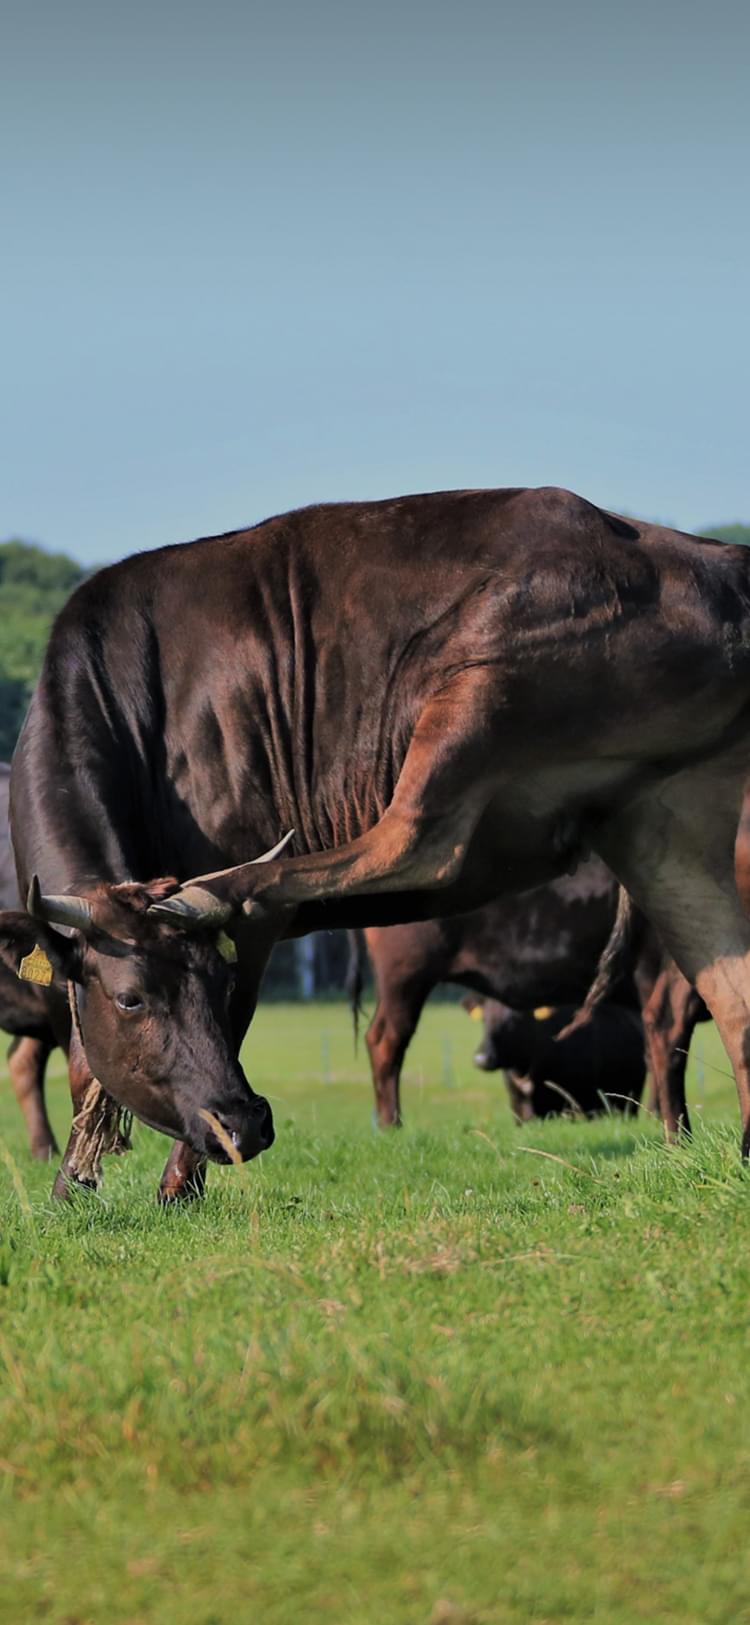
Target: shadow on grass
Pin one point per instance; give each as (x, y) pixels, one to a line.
(611, 1150)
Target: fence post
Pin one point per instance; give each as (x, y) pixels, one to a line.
(304, 953)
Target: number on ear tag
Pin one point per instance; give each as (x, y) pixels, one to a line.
(35, 967)
(226, 948)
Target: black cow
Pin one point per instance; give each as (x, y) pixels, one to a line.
(445, 697)
(540, 948)
(600, 1066)
(23, 1011)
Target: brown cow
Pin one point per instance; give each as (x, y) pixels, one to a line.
(23, 1011)
(540, 947)
(445, 697)
(599, 1066)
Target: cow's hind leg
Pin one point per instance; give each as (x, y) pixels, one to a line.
(669, 1017)
(388, 1037)
(27, 1061)
(673, 847)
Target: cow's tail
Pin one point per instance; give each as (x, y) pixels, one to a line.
(615, 962)
(355, 977)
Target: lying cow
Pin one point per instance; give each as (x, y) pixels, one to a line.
(541, 947)
(600, 1066)
(444, 697)
(23, 1011)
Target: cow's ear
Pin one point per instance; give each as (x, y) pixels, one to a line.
(36, 952)
(140, 895)
(474, 1003)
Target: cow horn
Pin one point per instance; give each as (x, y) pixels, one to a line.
(273, 851)
(196, 908)
(193, 907)
(64, 910)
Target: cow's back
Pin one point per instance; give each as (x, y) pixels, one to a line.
(197, 700)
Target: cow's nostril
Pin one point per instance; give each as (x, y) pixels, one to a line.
(239, 1135)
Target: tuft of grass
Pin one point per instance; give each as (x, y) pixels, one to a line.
(423, 1376)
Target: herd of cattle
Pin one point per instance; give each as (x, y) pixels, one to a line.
(502, 737)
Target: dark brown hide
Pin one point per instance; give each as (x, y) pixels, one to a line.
(446, 696)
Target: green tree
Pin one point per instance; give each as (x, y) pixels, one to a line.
(34, 585)
(729, 533)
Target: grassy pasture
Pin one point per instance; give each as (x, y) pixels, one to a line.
(459, 1374)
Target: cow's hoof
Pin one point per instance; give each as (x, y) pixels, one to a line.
(44, 1150)
(180, 1191)
(385, 1122)
(68, 1186)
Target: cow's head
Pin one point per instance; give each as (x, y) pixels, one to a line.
(486, 1011)
(510, 1036)
(162, 1001)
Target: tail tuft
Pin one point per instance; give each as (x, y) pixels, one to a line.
(355, 978)
(616, 960)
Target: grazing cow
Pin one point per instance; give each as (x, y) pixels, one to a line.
(444, 697)
(23, 1011)
(540, 947)
(600, 1066)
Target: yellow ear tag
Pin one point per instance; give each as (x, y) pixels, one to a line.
(226, 948)
(35, 967)
(477, 1012)
(543, 1012)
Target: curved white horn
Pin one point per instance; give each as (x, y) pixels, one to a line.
(236, 868)
(266, 857)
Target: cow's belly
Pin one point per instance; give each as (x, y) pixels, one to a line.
(538, 825)
(531, 809)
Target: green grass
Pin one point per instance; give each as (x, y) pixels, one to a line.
(420, 1377)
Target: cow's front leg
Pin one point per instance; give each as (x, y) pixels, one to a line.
(420, 844)
(80, 1078)
(99, 1126)
(184, 1176)
(95, 1130)
(27, 1061)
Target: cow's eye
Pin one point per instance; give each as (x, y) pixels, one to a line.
(129, 1003)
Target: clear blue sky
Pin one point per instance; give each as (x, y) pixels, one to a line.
(255, 256)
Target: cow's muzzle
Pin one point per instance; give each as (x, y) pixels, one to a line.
(240, 1133)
